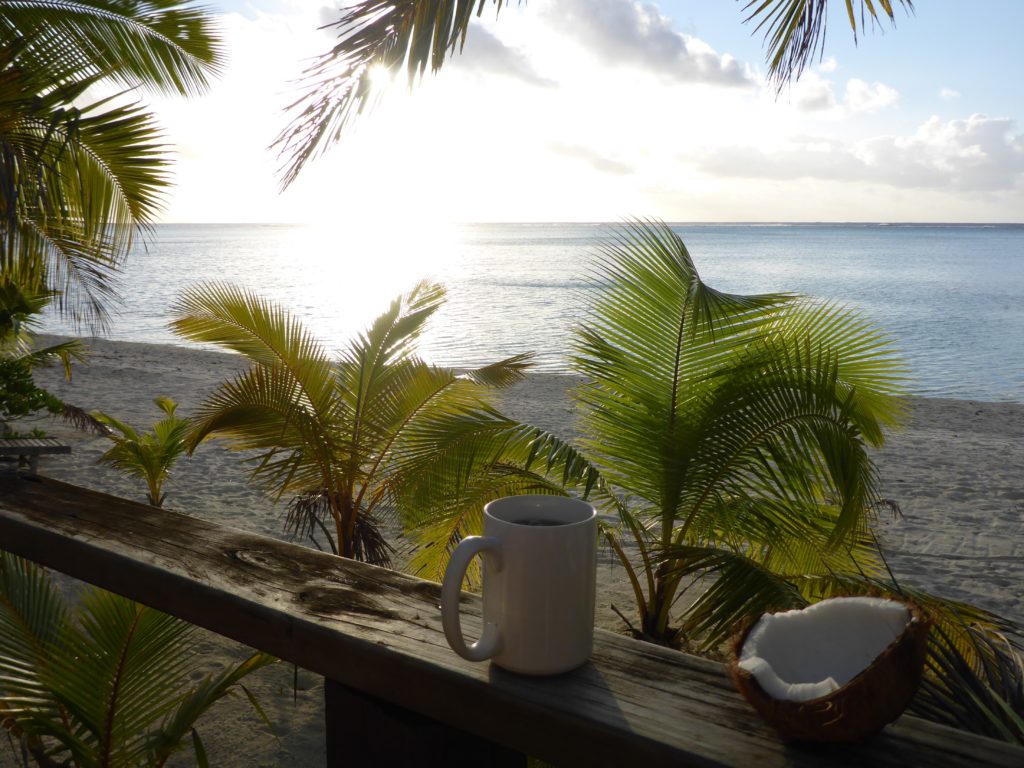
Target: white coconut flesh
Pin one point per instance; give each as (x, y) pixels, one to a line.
(807, 654)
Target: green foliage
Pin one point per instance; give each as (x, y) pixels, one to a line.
(364, 437)
(731, 434)
(148, 455)
(78, 178)
(109, 687)
(19, 395)
(794, 30)
(974, 673)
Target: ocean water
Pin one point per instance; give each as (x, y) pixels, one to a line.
(951, 296)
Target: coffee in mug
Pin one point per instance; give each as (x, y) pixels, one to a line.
(539, 573)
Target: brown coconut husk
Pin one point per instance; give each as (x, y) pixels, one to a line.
(870, 701)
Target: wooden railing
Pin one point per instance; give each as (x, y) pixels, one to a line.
(395, 693)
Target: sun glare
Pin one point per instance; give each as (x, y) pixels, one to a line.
(381, 77)
(348, 277)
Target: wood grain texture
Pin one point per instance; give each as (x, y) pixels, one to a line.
(379, 632)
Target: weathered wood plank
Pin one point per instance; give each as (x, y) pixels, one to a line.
(378, 632)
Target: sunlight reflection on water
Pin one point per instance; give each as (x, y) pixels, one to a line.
(950, 295)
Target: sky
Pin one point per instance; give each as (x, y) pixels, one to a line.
(598, 110)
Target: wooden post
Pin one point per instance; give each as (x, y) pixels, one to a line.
(366, 731)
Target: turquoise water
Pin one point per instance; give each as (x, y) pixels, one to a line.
(950, 295)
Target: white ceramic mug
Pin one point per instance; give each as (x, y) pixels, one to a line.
(540, 566)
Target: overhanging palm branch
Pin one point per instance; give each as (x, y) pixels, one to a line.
(391, 35)
(413, 35)
(78, 182)
(794, 30)
(166, 45)
(83, 181)
(110, 688)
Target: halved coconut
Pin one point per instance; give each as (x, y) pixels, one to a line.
(838, 670)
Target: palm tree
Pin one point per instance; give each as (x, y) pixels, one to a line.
(734, 431)
(78, 182)
(361, 438)
(110, 686)
(149, 455)
(414, 35)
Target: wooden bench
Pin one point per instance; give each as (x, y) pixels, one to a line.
(27, 450)
(395, 694)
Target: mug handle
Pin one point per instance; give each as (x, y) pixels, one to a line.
(451, 590)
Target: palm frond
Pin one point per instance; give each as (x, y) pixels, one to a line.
(169, 45)
(503, 373)
(654, 335)
(81, 419)
(738, 423)
(120, 675)
(106, 689)
(371, 33)
(259, 329)
(193, 705)
(740, 589)
(794, 30)
(452, 465)
(287, 398)
(979, 689)
(79, 180)
(32, 617)
(311, 513)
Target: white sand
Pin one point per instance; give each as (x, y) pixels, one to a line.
(957, 472)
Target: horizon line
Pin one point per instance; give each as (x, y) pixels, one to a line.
(675, 222)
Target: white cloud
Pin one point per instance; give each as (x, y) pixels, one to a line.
(812, 93)
(861, 97)
(637, 34)
(948, 94)
(596, 160)
(485, 54)
(979, 153)
(976, 154)
(828, 64)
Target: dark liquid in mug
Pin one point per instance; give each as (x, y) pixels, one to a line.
(538, 521)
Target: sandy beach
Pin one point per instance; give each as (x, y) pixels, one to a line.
(957, 472)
